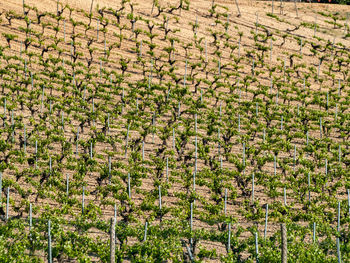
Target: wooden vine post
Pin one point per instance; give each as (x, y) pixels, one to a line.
(112, 240)
(284, 243)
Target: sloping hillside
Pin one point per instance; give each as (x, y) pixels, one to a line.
(198, 126)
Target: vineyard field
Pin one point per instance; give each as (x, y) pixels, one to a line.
(174, 131)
